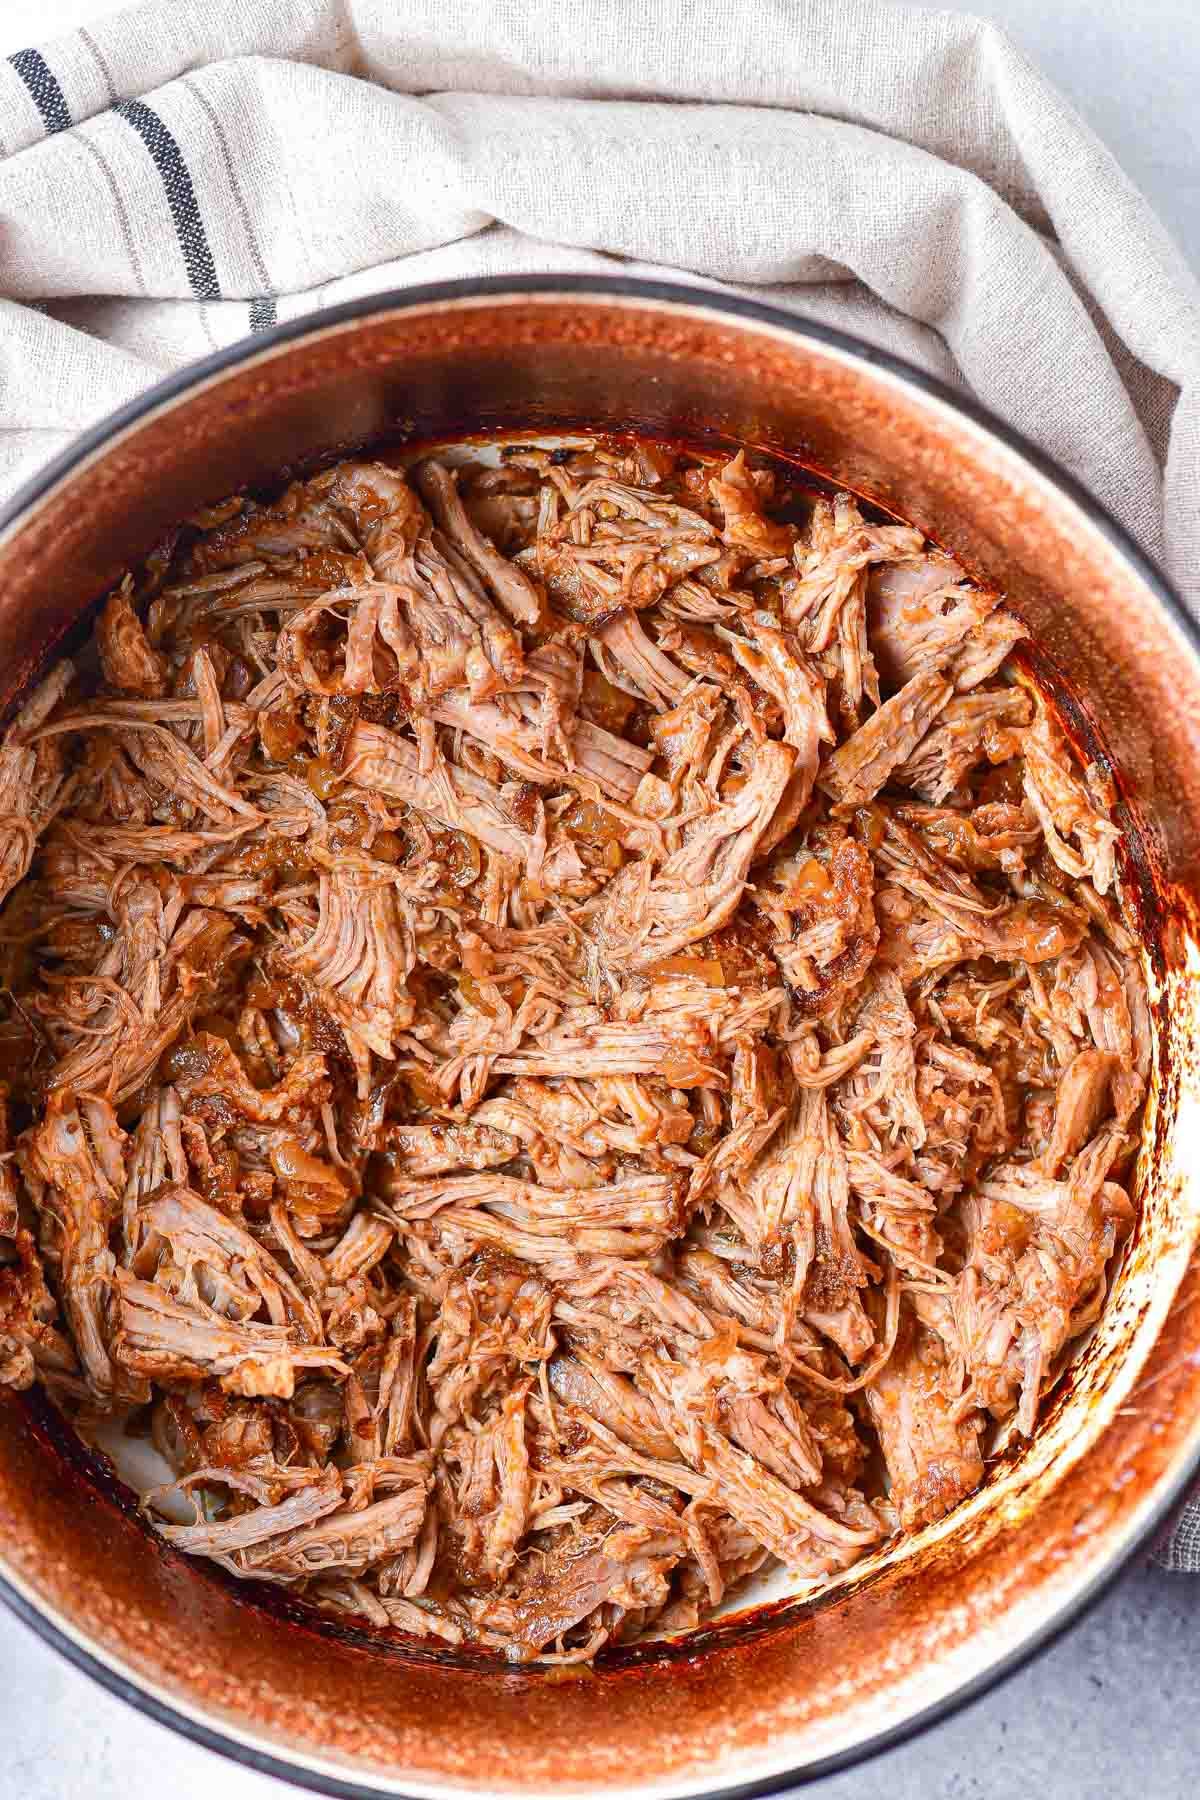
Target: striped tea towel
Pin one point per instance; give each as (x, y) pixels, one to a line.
(178, 175)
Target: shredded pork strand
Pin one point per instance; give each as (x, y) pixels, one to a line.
(566, 1037)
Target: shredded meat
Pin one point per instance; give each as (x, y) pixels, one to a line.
(566, 1036)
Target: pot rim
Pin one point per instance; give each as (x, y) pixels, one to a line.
(462, 292)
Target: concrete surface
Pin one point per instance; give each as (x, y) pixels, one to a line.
(1112, 1709)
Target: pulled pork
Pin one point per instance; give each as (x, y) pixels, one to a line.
(567, 1035)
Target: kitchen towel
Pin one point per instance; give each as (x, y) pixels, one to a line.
(176, 176)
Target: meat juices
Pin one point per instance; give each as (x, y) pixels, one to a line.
(566, 1038)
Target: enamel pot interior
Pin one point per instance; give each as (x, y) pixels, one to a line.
(763, 1698)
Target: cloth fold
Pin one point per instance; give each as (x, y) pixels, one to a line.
(174, 177)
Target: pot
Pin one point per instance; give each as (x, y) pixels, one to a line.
(788, 1689)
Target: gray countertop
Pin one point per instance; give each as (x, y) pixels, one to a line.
(1111, 1708)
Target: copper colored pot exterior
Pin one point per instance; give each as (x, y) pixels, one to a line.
(762, 1700)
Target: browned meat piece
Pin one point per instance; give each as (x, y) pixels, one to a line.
(552, 689)
(572, 1137)
(757, 1108)
(970, 728)
(621, 1568)
(133, 965)
(920, 610)
(1035, 1273)
(804, 1537)
(574, 1037)
(509, 519)
(460, 635)
(616, 547)
(682, 734)
(780, 669)
(826, 904)
(995, 836)
(168, 1341)
(359, 959)
(510, 1518)
(680, 1050)
(300, 521)
(796, 1211)
(899, 1214)
(930, 1445)
(703, 654)
(31, 1346)
(613, 1399)
(597, 757)
(421, 1150)
(1073, 1228)
(83, 1173)
(167, 763)
(855, 773)
(915, 942)
(244, 1530)
(384, 763)
(1066, 809)
(510, 585)
(1031, 930)
(206, 1069)
(1095, 1002)
(827, 605)
(980, 654)
(631, 1216)
(377, 508)
(882, 1090)
(458, 632)
(841, 545)
(128, 661)
(1079, 1106)
(158, 985)
(633, 661)
(34, 779)
(777, 1434)
(366, 1242)
(202, 1257)
(737, 493)
(346, 1540)
(698, 888)
(555, 1164)
(379, 650)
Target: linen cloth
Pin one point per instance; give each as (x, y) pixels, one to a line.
(176, 176)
